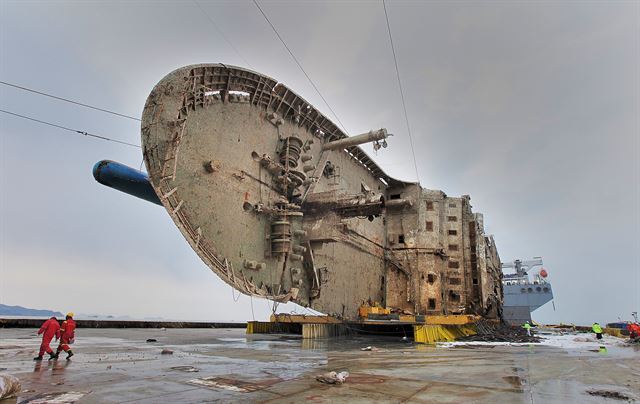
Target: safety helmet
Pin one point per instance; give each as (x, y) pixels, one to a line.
(70, 314)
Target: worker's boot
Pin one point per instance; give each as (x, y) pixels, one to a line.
(38, 358)
(53, 356)
(69, 354)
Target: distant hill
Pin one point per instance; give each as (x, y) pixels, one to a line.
(23, 311)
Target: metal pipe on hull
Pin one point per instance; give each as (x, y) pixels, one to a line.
(371, 136)
(125, 179)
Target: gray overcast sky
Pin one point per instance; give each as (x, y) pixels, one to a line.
(532, 108)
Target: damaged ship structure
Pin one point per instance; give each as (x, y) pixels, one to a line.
(282, 204)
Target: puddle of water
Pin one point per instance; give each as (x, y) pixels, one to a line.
(242, 386)
(185, 368)
(56, 398)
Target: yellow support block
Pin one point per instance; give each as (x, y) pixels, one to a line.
(259, 327)
(303, 319)
(458, 319)
(430, 334)
(407, 318)
(251, 327)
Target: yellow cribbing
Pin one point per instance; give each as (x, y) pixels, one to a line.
(314, 331)
(259, 327)
(303, 319)
(430, 334)
(458, 319)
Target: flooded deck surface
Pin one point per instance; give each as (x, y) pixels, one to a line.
(219, 365)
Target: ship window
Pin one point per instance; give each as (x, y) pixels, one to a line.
(401, 239)
(475, 281)
(429, 205)
(522, 290)
(452, 205)
(529, 290)
(453, 247)
(452, 218)
(545, 289)
(538, 289)
(453, 232)
(429, 226)
(453, 296)
(395, 196)
(455, 281)
(454, 264)
(431, 278)
(432, 304)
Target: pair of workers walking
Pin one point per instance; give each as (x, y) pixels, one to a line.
(64, 333)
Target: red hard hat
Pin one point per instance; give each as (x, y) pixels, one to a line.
(543, 273)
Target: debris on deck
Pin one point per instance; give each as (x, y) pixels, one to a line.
(57, 398)
(185, 368)
(237, 385)
(333, 377)
(609, 394)
(490, 332)
(9, 386)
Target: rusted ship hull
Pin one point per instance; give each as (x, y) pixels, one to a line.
(281, 204)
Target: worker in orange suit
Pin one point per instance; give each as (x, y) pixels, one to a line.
(49, 329)
(67, 335)
(634, 330)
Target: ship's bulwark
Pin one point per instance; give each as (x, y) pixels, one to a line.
(240, 162)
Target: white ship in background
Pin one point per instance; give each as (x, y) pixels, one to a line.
(522, 295)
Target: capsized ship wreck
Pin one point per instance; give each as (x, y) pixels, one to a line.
(283, 205)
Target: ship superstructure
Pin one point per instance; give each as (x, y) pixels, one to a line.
(524, 290)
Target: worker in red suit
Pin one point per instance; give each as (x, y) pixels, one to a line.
(49, 329)
(634, 330)
(67, 335)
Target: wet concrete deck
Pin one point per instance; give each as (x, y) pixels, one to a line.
(117, 365)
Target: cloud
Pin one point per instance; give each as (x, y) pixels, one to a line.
(531, 108)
